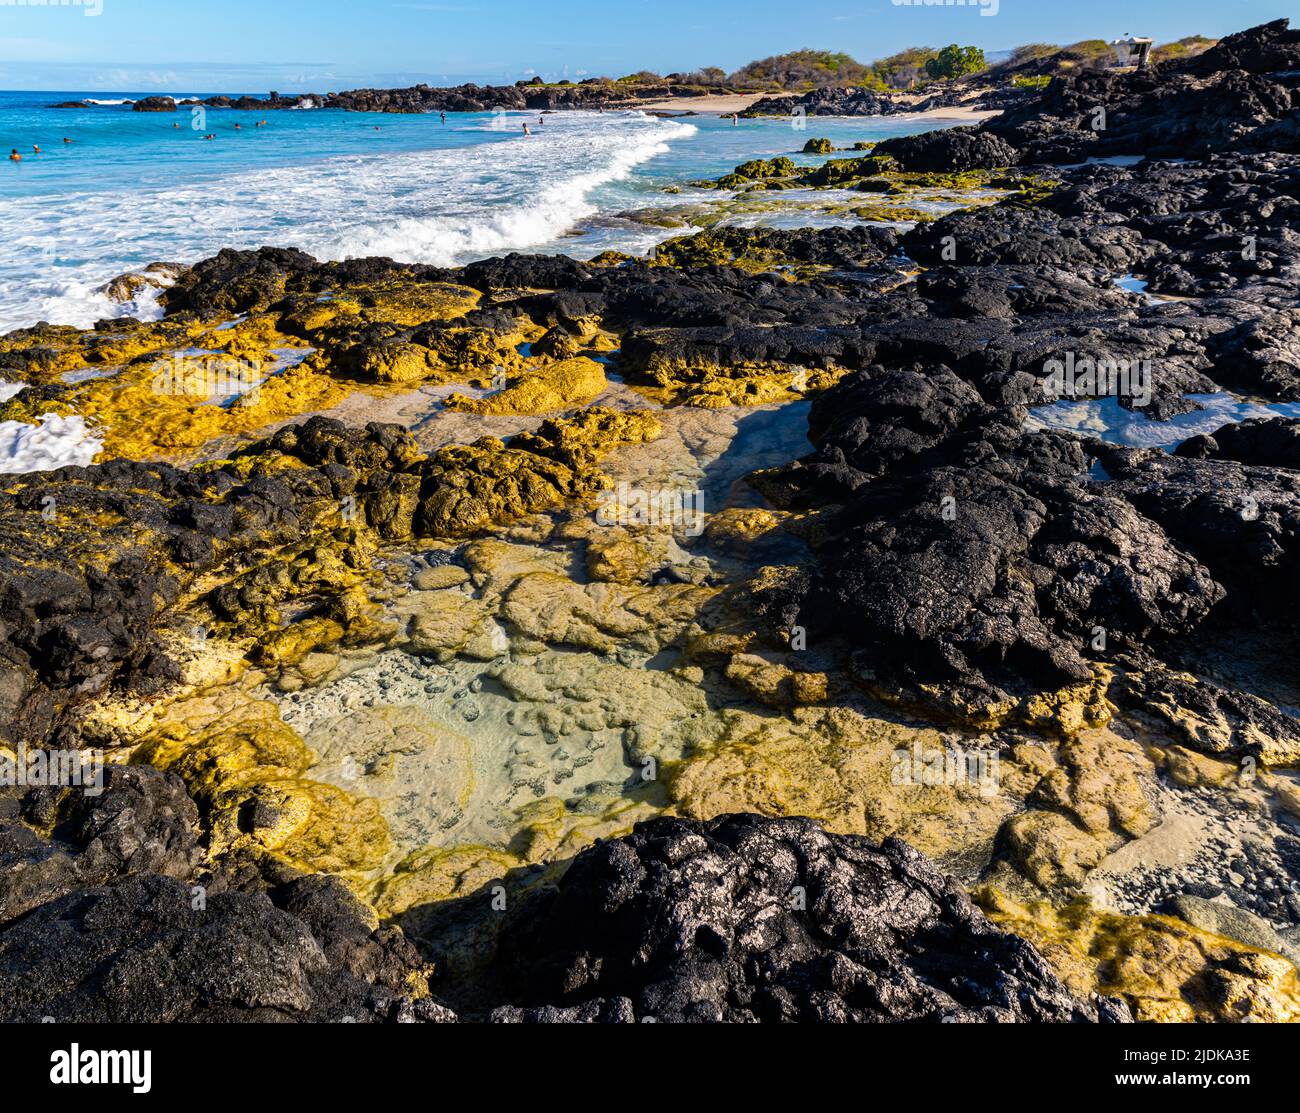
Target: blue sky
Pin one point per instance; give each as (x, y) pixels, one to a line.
(323, 45)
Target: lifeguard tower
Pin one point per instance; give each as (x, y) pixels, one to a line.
(1132, 51)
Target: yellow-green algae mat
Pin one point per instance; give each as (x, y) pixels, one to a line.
(546, 685)
(501, 702)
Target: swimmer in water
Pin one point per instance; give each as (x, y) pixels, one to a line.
(36, 150)
(735, 120)
(66, 139)
(444, 116)
(526, 131)
(14, 156)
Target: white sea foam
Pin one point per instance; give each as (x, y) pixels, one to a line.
(56, 442)
(1107, 420)
(443, 207)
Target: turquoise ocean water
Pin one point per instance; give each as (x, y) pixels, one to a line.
(132, 188)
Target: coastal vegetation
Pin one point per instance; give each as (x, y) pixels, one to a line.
(420, 655)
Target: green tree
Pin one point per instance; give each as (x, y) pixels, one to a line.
(956, 61)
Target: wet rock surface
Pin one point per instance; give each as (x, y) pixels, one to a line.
(744, 919)
(115, 916)
(283, 620)
(739, 919)
(1238, 96)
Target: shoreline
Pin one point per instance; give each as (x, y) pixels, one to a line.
(726, 105)
(518, 599)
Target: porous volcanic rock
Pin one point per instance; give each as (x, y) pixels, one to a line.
(746, 919)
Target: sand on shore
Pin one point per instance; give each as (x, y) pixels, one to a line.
(726, 105)
(957, 112)
(722, 105)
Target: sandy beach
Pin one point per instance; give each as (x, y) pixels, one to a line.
(722, 105)
(726, 105)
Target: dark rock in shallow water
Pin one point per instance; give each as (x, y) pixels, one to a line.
(1261, 357)
(235, 282)
(742, 918)
(1241, 521)
(951, 150)
(116, 917)
(751, 919)
(154, 104)
(969, 554)
(1013, 234)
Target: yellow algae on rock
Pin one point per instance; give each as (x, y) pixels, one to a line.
(400, 362)
(246, 769)
(432, 875)
(1192, 770)
(550, 831)
(673, 381)
(41, 354)
(289, 646)
(414, 303)
(1050, 849)
(311, 826)
(775, 683)
(741, 530)
(443, 623)
(381, 752)
(224, 741)
(253, 337)
(624, 557)
(1098, 781)
(1095, 796)
(840, 767)
(1068, 711)
(547, 389)
(551, 608)
(1164, 968)
(439, 578)
(469, 488)
(152, 410)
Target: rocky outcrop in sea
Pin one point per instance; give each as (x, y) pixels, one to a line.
(961, 694)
